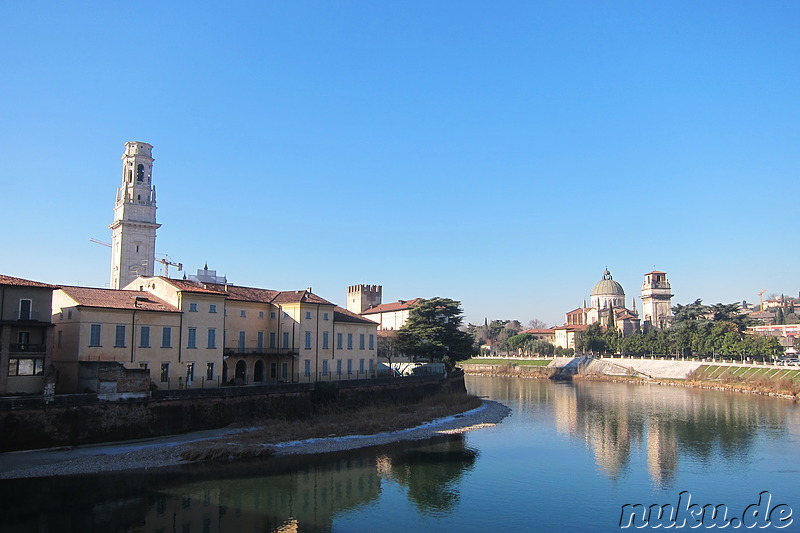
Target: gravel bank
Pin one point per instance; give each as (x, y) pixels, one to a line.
(157, 453)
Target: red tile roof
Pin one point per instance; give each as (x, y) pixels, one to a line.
(343, 315)
(547, 331)
(303, 297)
(655, 272)
(245, 294)
(118, 299)
(20, 282)
(192, 286)
(399, 305)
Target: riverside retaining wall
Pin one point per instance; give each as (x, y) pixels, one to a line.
(42, 426)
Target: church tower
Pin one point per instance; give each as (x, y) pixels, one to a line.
(656, 300)
(363, 297)
(133, 241)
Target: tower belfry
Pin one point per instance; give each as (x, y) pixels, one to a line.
(133, 240)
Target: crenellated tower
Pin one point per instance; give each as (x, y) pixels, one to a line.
(363, 297)
(133, 240)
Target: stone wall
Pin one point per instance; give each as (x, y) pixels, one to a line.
(29, 427)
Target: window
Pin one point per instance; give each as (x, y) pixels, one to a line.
(242, 339)
(212, 308)
(308, 315)
(284, 371)
(189, 373)
(349, 366)
(192, 308)
(286, 339)
(272, 314)
(94, 335)
(164, 372)
(191, 342)
(25, 309)
(338, 341)
(69, 314)
(212, 338)
(371, 365)
(144, 337)
(272, 339)
(58, 341)
(260, 341)
(166, 337)
(308, 340)
(285, 314)
(349, 341)
(210, 371)
(324, 316)
(361, 365)
(140, 173)
(324, 367)
(144, 365)
(372, 342)
(25, 367)
(261, 314)
(324, 340)
(338, 367)
(361, 341)
(243, 313)
(307, 368)
(119, 338)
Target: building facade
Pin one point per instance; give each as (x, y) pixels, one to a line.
(26, 335)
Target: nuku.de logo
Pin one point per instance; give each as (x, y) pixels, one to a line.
(692, 515)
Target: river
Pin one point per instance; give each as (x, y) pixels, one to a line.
(567, 458)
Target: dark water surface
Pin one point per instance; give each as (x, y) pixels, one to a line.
(566, 459)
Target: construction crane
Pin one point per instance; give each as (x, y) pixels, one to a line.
(100, 242)
(167, 262)
(761, 300)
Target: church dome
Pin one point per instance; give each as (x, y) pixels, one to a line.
(607, 286)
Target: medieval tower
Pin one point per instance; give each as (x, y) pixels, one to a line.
(656, 300)
(133, 241)
(362, 297)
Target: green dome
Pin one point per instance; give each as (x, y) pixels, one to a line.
(607, 287)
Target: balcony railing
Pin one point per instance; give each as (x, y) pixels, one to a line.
(255, 350)
(27, 348)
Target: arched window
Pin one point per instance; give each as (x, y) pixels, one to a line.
(140, 173)
(241, 370)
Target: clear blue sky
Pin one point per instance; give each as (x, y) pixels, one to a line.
(499, 153)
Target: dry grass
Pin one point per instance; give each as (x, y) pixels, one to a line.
(331, 422)
(758, 380)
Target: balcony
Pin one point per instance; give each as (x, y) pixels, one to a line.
(259, 351)
(27, 348)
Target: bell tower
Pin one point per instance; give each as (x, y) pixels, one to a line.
(656, 300)
(133, 239)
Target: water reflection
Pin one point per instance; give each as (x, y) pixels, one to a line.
(276, 495)
(666, 423)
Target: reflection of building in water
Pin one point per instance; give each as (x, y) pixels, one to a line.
(662, 450)
(565, 410)
(301, 500)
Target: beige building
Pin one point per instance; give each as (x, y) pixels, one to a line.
(26, 335)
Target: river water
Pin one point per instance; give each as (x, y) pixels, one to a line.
(567, 458)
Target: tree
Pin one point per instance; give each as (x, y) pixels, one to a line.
(433, 331)
(536, 324)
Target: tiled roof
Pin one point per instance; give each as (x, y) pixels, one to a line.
(118, 299)
(546, 331)
(245, 294)
(19, 282)
(192, 286)
(399, 305)
(655, 272)
(294, 297)
(573, 327)
(343, 315)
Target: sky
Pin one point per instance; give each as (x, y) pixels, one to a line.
(502, 154)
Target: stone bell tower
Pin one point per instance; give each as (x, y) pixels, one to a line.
(656, 300)
(133, 241)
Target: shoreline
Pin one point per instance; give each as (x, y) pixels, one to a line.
(706, 385)
(165, 452)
